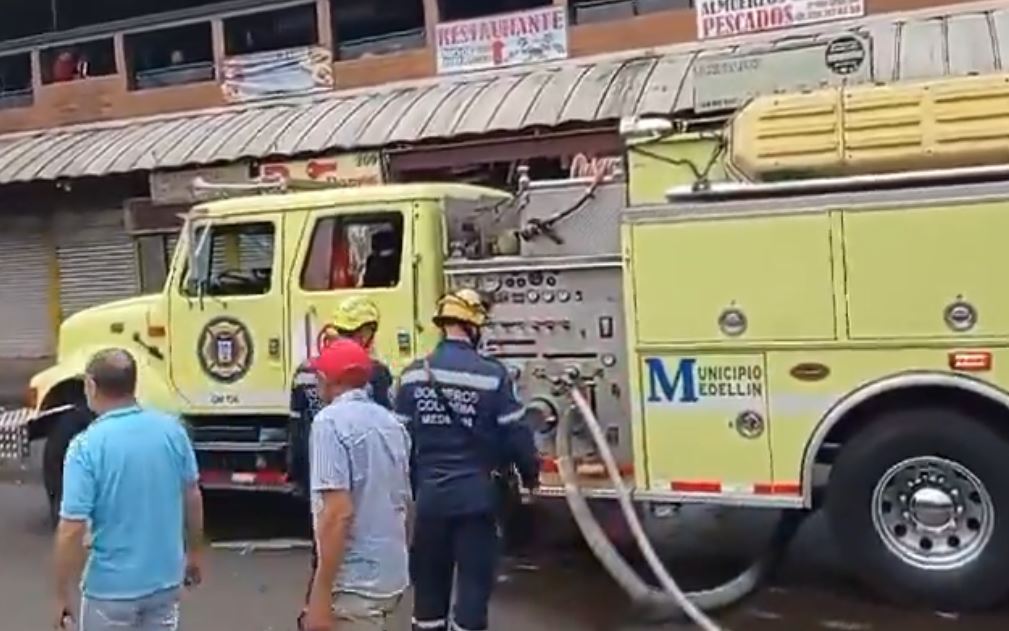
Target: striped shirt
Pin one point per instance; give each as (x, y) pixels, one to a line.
(360, 447)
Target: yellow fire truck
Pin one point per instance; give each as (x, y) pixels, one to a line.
(825, 328)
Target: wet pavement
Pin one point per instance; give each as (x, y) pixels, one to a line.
(554, 586)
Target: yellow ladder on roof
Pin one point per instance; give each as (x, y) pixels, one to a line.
(946, 123)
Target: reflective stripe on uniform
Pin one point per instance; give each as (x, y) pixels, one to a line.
(455, 626)
(430, 624)
(507, 419)
(456, 378)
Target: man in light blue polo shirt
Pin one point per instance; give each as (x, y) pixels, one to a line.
(131, 478)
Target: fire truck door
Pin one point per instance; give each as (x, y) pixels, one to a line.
(348, 252)
(226, 314)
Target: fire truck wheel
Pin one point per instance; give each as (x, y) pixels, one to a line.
(919, 505)
(64, 428)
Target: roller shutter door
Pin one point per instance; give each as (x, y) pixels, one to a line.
(171, 242)
(97, 260)
(26, 328)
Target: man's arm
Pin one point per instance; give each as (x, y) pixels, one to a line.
(192, 503)
(518, 437)
(79, 489)
(330, 463)
(70, 555)
(194, 519)
(332, 527)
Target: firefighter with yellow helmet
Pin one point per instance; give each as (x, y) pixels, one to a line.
(468, 434)
(355, 318)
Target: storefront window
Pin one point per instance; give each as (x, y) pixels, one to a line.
(233, 260)
(172, 56)
(292, 27)
(377, 27)
(355, 252)
(466, 9)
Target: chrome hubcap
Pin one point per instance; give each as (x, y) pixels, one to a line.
(933, 513)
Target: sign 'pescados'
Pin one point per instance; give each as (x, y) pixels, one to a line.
(727, 18)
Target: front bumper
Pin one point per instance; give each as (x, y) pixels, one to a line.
(14, 433)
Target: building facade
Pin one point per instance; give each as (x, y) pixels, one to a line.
(103, 126)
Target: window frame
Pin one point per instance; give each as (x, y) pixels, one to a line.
(444, 14)
(191, 233)
(348, 48)
(134, 42)
(357, 216)
(229, 21)
(49, 55)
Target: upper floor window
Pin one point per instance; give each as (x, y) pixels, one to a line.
(466, 9)
(233, 260)
(80, 60)
(355, 252)
(16, 80)
(292, 27)
(174, 56)
(70, 14)
(376, 27)
(589, 11)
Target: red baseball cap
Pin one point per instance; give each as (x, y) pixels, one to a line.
(343, 360)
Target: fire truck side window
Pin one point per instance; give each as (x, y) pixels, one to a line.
(355, 252)
(234, 260)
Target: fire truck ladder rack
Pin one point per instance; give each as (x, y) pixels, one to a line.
(932, 178)
(951, 123)
(268, 185)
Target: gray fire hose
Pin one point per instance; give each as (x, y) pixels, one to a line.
(670, 596)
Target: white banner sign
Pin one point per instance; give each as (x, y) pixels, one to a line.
(728, 18)
(497, 41)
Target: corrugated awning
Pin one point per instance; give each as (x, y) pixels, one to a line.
(974, 39)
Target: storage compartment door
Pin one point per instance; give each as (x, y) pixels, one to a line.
(773, 271)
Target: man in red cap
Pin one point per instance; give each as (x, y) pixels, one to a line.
(360, 499)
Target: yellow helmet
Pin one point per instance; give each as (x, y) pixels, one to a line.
(354, 313)
(463, 305)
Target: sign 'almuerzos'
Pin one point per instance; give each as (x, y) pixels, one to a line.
(728, 18)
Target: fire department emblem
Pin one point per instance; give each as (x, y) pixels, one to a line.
(225, 350)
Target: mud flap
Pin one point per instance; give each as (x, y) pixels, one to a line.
(14, 433)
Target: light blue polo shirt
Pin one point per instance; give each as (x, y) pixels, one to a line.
(126, 475)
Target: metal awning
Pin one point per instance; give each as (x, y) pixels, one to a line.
(923, 44)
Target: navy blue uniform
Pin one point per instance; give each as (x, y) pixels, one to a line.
(305, 404)
(466, 427)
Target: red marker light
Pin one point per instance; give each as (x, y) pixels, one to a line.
(970, 361)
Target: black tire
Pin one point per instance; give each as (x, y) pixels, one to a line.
(64, 428)
(977, 582)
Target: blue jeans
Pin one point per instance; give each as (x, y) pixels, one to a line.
(157, 612)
